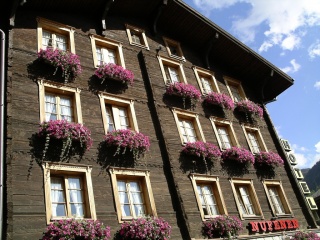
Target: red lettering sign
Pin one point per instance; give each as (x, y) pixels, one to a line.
(254, 226)
(283, 225)
(276, 225)
(263, 226)
(269, 223)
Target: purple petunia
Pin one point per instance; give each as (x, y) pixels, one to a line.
(250, 107)
(202, 149)
(112, 70)
(240, 155)
(219, 99)
(67, 61)
(268, 158)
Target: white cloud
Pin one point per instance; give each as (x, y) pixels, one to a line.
(302, 160)
(293, 68)
(284, 20)
(317, 85)
(317, 147)
(314, 49)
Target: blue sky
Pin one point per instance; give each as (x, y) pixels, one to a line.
(286, 33)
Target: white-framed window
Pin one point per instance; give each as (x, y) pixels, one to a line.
(254, 139)
(224, 133)
(68, 191)
(235, 90)
(58, 102)
(55, 35)
(209, 195)
(106, 51)
(188, 125)
(206, 80)
(117, 113)
(172, 71)
(133, 193)
(173, 49)
(277, 198)
(137, 36)
(246, 198)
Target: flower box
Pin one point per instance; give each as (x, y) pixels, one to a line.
(114, 72)
(268, 159)
(186, 91)
(240, 155)
(125, 139)
(219, 99)
(222, 226)
(77, 229)
(144, 228)
(68, 62)
(250, 108)
(299, 235)
(75, 137)
(202, 149)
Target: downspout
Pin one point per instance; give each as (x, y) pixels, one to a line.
(2, 91)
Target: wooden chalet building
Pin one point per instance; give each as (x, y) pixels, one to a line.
(163, 42)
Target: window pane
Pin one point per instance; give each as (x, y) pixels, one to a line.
(50, 107)
(110, 121)
(112, 56)
(246, 199)
(189, 130)
(206, 85)
(173, 74)
(61, 42)
(275, 200)
(46, 39)
(254, 142)
(135, 37)
(99, 56)
(124, 121)
(224, 137)
(76, 200)
(58, 204)
(235, 93)
(66, 109)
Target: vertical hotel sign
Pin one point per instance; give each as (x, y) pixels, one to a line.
(298, 174)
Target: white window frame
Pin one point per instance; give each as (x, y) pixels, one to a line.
(165, 62)
(108, 44)
(54, 27)
(139, 32)
(235, 83)
(200, 73)
(227, 124)
(169, 42)
(68, 169)
(121, 102)
(143, 177)
(212, 181)
(194, 118)
(235, 183)
(46, 86)
(282, 195)
(256, 131)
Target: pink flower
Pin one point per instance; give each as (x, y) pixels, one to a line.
(240, 155)
(67, 61)
(221, 226)
(112, 70)
(268, 158)
(250, 107)
(219, 99)
(202, 149)
(184, 90)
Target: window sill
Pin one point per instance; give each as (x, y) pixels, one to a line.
(249, 217)
(140, 45)
(182, 59)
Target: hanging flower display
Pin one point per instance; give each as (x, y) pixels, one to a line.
(126, 139)
(113, 71)
(77, 229)
(268, 158)
(240, 155)
(219, 99)
(74, 136)
(68, 62)
(144, 228)
(186, 91)
(201, 149)
(222, 226)
(250, 108)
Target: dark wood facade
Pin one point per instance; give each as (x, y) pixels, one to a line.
(174, 196)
